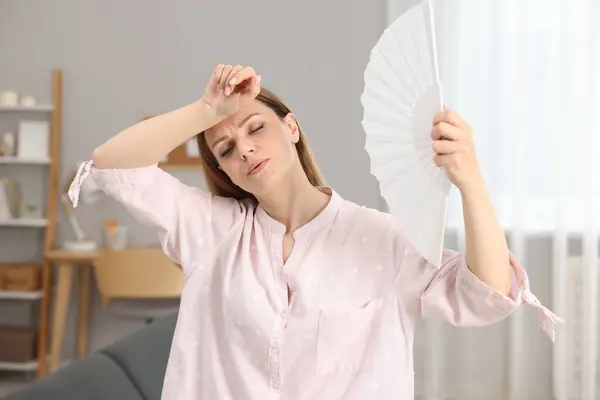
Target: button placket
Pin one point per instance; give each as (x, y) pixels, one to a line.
(276, 341)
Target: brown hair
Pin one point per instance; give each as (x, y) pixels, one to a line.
(217, 180)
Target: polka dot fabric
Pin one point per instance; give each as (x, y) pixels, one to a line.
(335, 321)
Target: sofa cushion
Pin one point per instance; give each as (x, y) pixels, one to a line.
(96, 377)
(143, 355)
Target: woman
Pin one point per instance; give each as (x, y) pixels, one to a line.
(291, 291)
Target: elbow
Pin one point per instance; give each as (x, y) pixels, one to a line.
(99, 158)
(96, 156)
(501, 281)
(506, 288)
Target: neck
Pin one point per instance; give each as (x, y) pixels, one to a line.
(295, 203)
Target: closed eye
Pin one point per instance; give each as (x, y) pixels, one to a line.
(227, 152)
(229, 149)
(258, 128)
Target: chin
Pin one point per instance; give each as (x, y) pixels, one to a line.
(264, 182)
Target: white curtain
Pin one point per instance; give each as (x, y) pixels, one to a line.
(525, 74)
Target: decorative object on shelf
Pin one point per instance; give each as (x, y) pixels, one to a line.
(21, 277)
(5, 213)
(17, 344)
(186, 155)
(89, 193)
(115, 235)
(12, 192)
(7, 144)
(28, 101)
(33, 139)
(9, 98)
(30, 210)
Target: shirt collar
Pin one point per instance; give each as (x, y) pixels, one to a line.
(324, 218)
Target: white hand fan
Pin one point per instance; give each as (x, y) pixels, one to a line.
(402, 94)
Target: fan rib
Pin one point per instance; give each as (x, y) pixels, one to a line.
(402, 93)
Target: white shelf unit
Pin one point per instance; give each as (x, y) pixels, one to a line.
(32, 296)
(24, 223)
(29, 366)
(51, 167)
(45, 108)
(24, 161)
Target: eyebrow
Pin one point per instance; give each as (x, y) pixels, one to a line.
(242, 122)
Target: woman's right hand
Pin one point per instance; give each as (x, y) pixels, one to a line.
(229, 88)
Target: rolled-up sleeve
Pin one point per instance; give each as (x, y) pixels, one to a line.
(188, 220)
(454, 294)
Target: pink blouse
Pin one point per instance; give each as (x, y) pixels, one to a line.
(356, 290)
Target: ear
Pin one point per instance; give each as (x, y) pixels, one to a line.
(291, 122)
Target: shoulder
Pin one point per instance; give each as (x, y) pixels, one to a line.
(373, 226)
(364, 220)
(366, 235)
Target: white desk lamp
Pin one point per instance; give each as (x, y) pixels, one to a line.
(89, 193)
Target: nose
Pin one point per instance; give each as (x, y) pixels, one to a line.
(246, 148)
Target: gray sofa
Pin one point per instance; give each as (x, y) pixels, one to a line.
(130, 369)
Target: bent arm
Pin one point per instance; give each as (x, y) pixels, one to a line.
(189, 221)
(454, 294)
(153, 138)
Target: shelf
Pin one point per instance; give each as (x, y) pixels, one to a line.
(46, 225)
(24, 160)
(24, 223)
(11, 366)
(8, 295)
(38, 108)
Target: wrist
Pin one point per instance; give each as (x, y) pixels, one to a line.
(473, 189)
(208, 115)
(473, 182)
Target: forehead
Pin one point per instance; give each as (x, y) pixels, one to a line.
(232, 122)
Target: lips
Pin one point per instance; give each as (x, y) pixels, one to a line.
(255, 166)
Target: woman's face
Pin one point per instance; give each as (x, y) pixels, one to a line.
(254, 147)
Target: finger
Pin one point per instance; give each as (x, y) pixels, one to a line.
(232, 73)
(244, 75)
(443, 130)
(228, 86)
(255, 88)
(445, 146)
(216, 76)
(450, 117)
(441, 160)
(224, 74)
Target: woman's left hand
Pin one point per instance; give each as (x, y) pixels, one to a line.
(454, 149)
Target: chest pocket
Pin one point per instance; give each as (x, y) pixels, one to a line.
(346, 339)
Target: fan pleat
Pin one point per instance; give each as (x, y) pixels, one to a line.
(396, 121)
(390, 82)
(380, 62)
(400, 98)
(423, 47)
(403, 42)
(380, 109)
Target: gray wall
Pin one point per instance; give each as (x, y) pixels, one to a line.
(122, 60)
